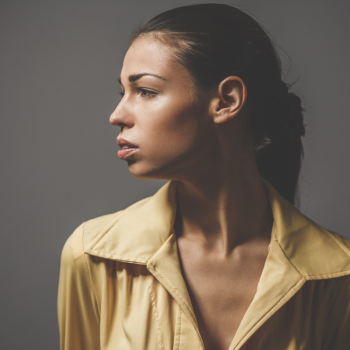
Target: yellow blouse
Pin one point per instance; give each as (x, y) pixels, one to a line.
(121, 286)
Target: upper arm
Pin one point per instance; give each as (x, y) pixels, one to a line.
(337, 334)
(78, 314)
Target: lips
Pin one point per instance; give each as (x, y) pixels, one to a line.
(127, 148)
(123, 143)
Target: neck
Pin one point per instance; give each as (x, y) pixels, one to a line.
(225, 206)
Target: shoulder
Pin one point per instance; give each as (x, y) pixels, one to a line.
(88, 231)
(342, 241)
(317, 253)
(324, 254)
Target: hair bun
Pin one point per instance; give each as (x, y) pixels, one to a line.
(289, 120)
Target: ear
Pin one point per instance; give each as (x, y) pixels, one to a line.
(229, 99)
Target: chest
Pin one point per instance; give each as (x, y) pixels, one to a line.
(141, 311)
(221, 290)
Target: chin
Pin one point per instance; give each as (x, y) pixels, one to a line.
(141, 172)
(144, 172)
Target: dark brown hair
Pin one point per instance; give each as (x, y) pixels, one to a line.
(214, 41)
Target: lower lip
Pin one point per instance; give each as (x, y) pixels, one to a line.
(123, 153)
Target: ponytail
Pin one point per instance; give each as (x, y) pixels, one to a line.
(279, 158)
(214, 41)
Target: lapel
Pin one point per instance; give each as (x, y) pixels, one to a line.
(300, 250)
(144, 234)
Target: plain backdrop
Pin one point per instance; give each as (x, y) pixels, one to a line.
(60, 61)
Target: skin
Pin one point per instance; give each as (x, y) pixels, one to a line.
(223, 222)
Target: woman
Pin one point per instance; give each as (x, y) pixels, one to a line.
(218, 258)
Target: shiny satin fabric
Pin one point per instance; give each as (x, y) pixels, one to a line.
(121, 286)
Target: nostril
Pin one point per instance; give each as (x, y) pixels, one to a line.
(121, 125)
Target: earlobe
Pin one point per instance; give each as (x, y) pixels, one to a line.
(230, 99)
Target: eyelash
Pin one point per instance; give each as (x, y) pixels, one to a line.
(143, 92)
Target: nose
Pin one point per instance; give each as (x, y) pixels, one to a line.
(121, 116)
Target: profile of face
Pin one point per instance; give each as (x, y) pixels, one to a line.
(160, 114)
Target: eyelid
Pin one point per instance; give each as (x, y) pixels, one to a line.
(147, 92)
(144, 91)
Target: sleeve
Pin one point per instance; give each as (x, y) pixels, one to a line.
(337, 331)
(78, 315)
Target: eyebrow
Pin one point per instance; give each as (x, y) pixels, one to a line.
(134, 77)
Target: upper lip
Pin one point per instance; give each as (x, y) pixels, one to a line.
(122, 143)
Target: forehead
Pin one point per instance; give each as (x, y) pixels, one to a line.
(149, 55)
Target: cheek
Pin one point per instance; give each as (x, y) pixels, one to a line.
(170, 130)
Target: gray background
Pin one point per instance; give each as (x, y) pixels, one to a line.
(59, 66)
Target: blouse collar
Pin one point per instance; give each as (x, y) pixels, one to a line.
(300, 250)
(137, 234)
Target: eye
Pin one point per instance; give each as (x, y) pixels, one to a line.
(147, 93)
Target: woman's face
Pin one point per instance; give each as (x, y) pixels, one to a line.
(159, 113)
